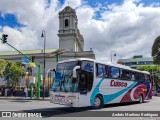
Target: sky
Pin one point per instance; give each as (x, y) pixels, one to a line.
(128, 27)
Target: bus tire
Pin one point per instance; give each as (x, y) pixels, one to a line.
(98, 102)
(141, 99)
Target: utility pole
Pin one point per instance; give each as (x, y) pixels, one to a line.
(44, 67)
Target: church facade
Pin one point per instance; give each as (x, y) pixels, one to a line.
(70, 41)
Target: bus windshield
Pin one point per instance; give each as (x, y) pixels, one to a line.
(63, 77)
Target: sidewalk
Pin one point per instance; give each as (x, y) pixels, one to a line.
(22, 98)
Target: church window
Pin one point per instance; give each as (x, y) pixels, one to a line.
(66, 22)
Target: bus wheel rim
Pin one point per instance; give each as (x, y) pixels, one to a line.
(97, 102)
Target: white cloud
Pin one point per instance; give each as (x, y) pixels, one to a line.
(128, 29)
(36, 17)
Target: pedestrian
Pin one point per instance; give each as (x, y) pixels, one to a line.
(35, 92)
(12, 90)
(25, 92)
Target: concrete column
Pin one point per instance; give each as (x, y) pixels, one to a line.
(62, 22)
(71, 21)
(74, 22)
(59, 22)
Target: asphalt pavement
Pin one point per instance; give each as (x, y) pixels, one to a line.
(54, 111)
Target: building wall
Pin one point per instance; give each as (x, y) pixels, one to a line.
(49, 64)
(135, 62)
(67, 42)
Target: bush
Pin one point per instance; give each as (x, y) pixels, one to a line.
(20, 87)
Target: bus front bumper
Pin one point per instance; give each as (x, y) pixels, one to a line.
(64, 99)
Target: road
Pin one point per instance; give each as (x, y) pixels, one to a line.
(49, 110)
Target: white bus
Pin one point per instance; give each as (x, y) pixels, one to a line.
(86, 82)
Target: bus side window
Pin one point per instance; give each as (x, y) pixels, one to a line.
(136, 76)
(102, 70)
(147, 78)
(87, 66)
(132, 76)
(141, 77)
(114, 72)
(106, 71)
(124, 74)
(109, 72)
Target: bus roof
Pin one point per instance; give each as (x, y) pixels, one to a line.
(106, 63)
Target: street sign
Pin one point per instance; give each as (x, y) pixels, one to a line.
(25, 61)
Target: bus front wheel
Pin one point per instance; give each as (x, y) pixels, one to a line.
(98, 102)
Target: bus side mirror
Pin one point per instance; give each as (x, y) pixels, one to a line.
(75, 71)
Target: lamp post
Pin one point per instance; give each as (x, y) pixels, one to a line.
(111, 54)
(44, 36)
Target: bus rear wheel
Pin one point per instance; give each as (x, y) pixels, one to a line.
(98, 102)
(141, 100)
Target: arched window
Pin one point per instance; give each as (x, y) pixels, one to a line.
(66, 22)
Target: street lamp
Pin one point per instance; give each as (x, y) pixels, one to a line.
(111, 54)
(44, 36)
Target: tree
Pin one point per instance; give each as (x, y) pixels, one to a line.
(3, 65)
(156, 51)
(13, 73)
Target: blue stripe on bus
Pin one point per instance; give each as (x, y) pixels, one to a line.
(108, 98)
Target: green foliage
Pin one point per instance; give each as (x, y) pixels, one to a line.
(150, 68)
(156, 51)
(13, 73)
(3, 65)
(154, 70)
(20, 87)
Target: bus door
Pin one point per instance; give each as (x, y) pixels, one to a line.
(85, 83)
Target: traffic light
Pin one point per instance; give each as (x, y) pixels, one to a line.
(4, 38)
(33, 57)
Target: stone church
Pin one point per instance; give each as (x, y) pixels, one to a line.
(71, 45)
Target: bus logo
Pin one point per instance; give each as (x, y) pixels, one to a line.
(118, 84)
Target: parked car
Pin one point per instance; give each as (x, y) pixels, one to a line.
(154, 93)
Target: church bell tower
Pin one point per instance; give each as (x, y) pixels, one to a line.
(69, 35)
